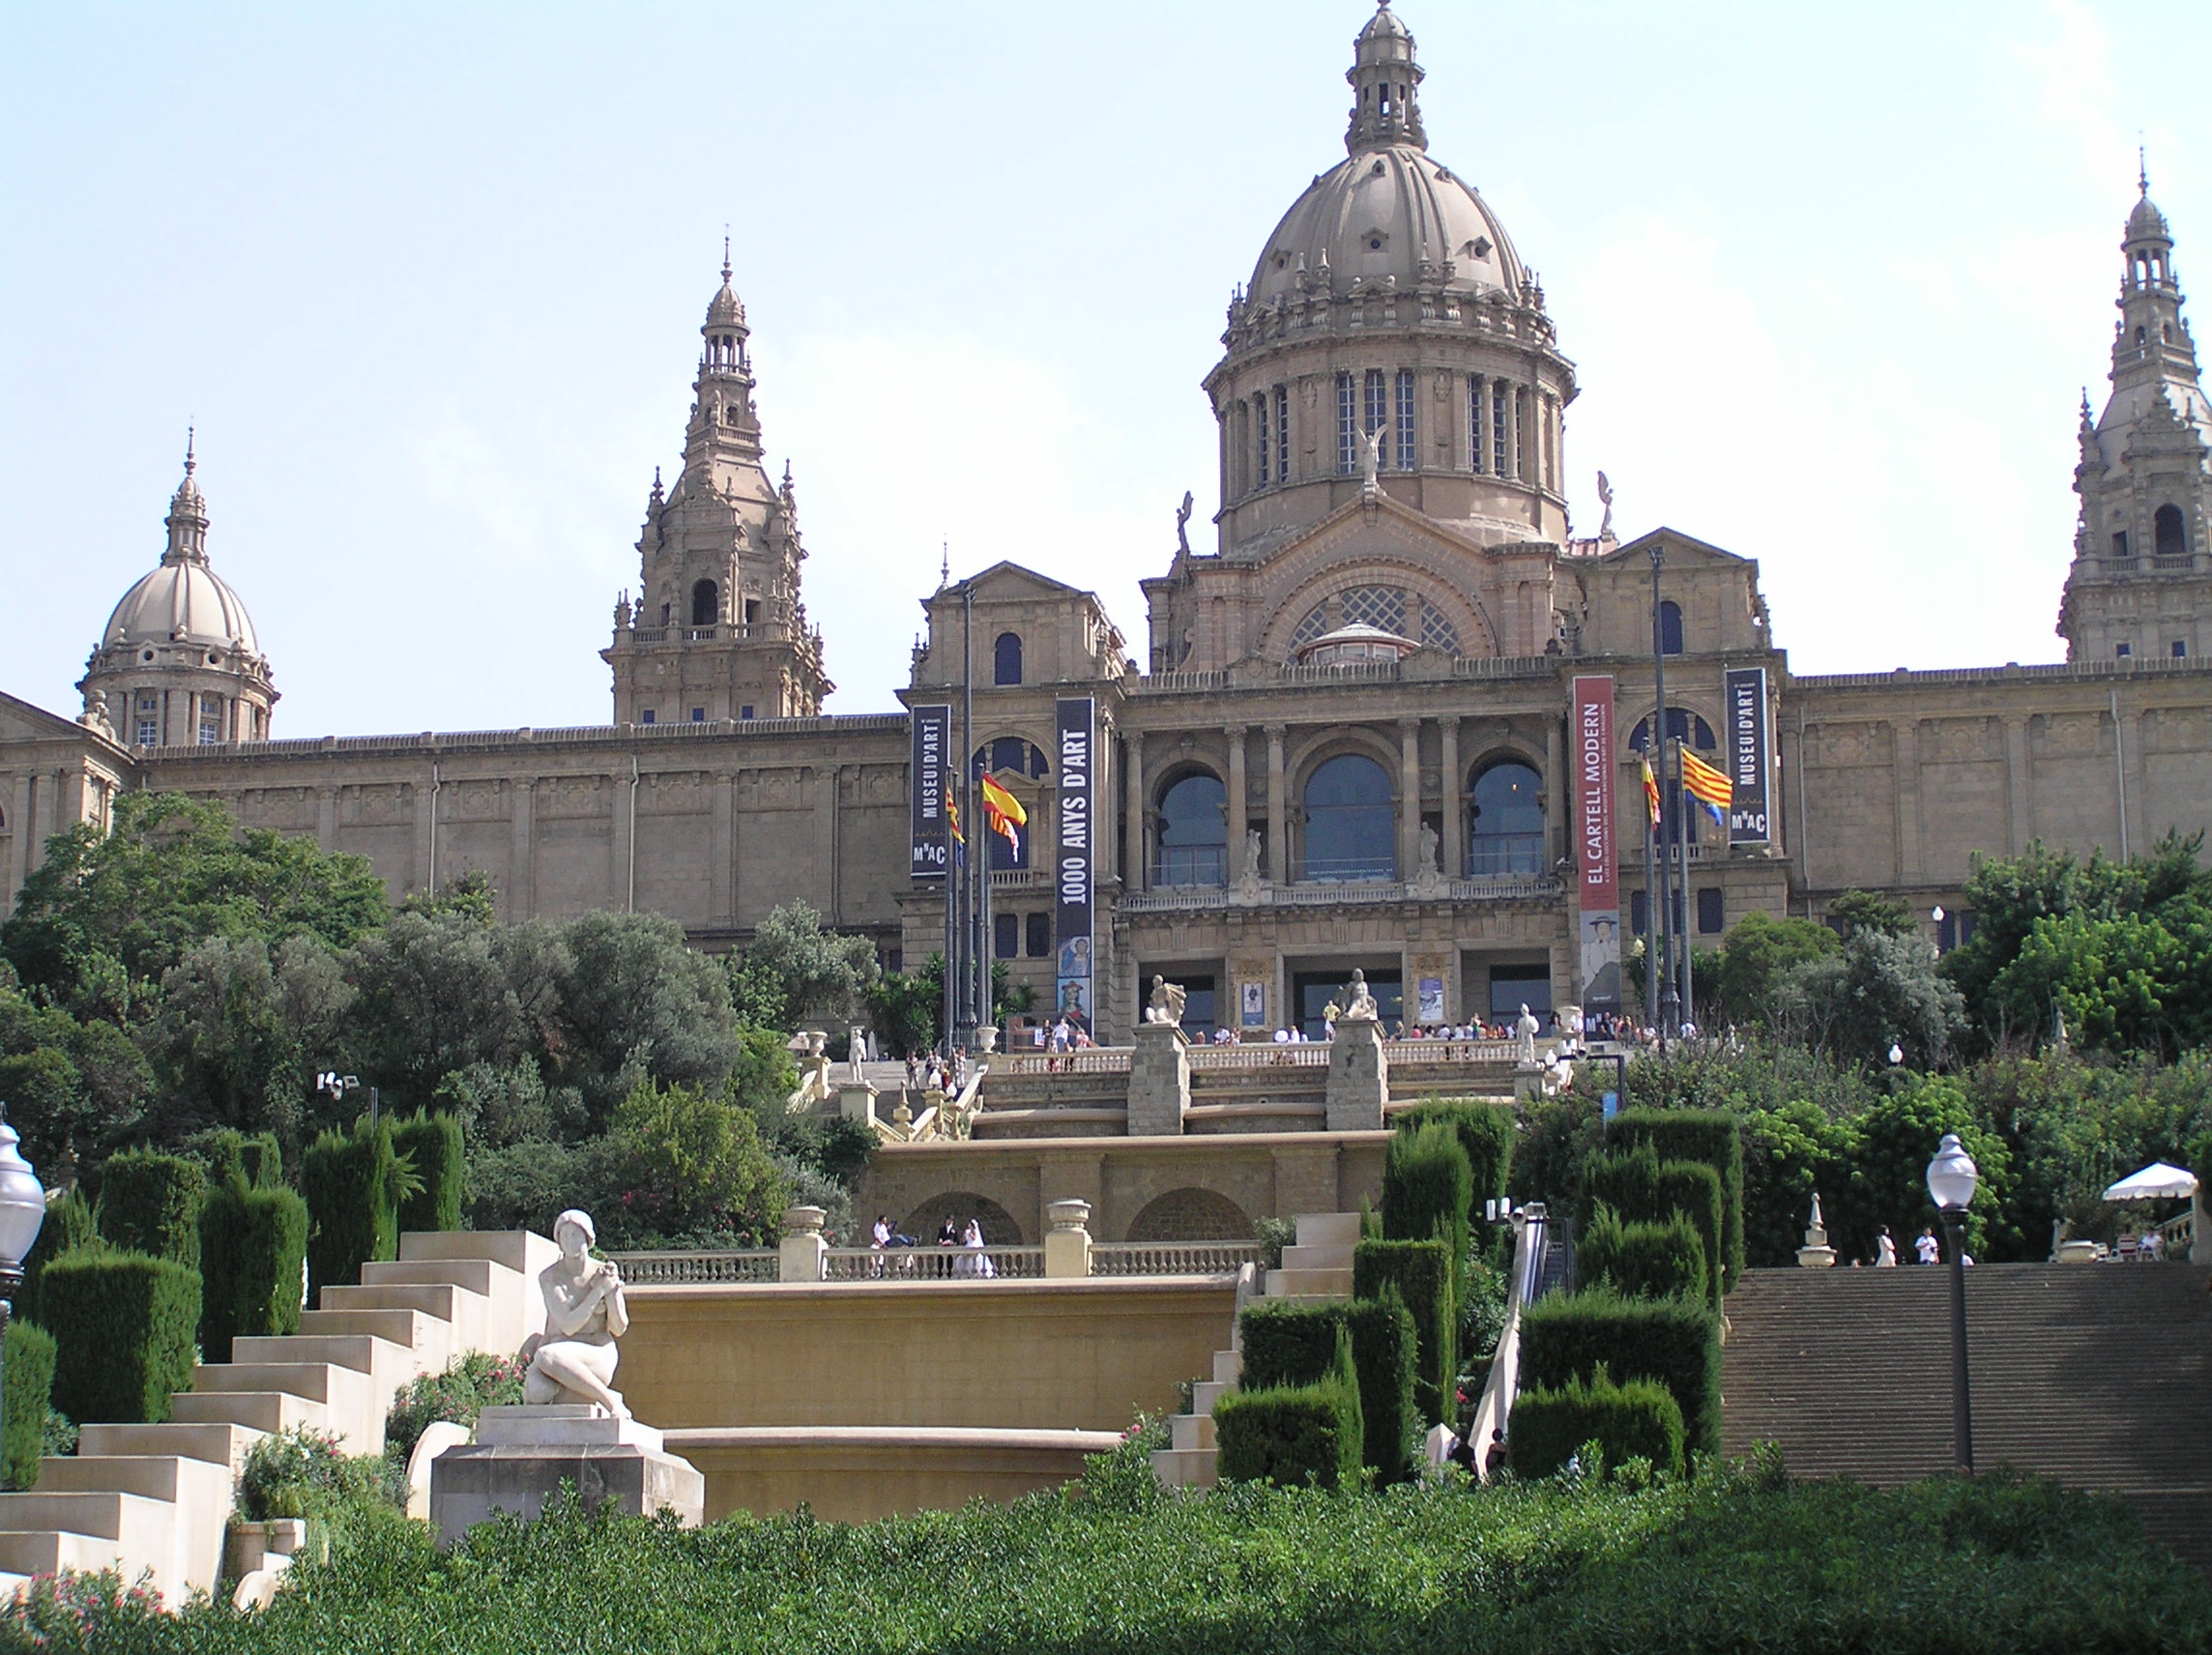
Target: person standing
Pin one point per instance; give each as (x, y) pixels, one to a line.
(1927, 1248)
(1884, 1249)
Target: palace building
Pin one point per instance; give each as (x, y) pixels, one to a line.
(1385, 717)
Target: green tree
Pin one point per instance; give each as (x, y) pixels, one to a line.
(637, 1000)
(1858, 911)
(450, 990)
(1757, 956)
(1887, 1155)
(692, 1169)
(1881, 990)
(69, 1087)
(908, 1009)
(797, 967)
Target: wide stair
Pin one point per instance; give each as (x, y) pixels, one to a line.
(154, 1500)
(2097, 1375)
(1315, 1270)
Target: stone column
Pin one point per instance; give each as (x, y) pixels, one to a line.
(1138, 869)
(1409, 796)
(1235, 839)
(1556, 811)
(1453, 857)
(327, 818)
(1906, 771)
(1358, 1076)
(1159, 1080)
(802, 1253)
(723, 875)
(2020, 797)
(522, 851)
(1278, 810)
(1067, 1243)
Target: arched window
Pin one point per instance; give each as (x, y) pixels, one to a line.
(1006, 658)
(706, 603)
(1194, 832)
(1683, 725)
(2172, 537)
(1669, 628)
(1352, 830)
(1505, 830)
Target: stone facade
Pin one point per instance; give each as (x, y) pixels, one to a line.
(1345, 741)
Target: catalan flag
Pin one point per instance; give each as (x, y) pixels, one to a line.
(1709, 787)
(1002, 812)
(1650, 789)
(952, 820)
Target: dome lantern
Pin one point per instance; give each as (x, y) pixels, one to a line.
(1385, 81)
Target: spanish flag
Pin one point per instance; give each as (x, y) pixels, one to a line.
(1002, 812)
(1650, 789)
(1709, 787)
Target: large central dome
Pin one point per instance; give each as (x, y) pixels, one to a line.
(1388, 212)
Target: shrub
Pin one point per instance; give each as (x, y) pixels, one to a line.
(1693, 1190)
(150, 1203)
(123, 1324)
(1294, 1345)
(1674, 1340)
(258, 1160)
(431, 1146)
(70, 1224)
(252, 1242)
(1642, 1259)
(1427, 1187)
(305, 1473)
(1274, 1234)
(354, 1183)
(26, 1398)
(1420, 1272)
(1642, 1188)
(1294, 1436)
(1711, 1136)
(1485, 1131)
(465, 1389)
(1637, 1420)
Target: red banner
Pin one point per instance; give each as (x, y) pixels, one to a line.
(1597, 878)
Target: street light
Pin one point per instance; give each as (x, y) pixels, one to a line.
(23, 1210)
(1951, 1178)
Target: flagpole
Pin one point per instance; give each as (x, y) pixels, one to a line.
(1651, 966)
(987, 944)
(1669, 805)
(1682, 831)
(964, 1037)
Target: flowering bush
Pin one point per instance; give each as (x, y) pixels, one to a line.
(71, 1611)
(472, 1385)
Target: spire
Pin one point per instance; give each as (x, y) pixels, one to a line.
(1385, 83)
(2151, 341)
(188, 519)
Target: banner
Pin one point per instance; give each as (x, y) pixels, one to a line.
(1075, 854)
(929, 775)
(1597, 878)
(1748, 764)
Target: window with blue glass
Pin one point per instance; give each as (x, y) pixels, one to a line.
(1505, 826)
(1351, 829)
(1194, 832)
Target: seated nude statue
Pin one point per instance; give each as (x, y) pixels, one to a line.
(574, 1360)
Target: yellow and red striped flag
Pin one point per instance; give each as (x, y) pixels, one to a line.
(1002, 812)
(1650, 790)
(1709, 787)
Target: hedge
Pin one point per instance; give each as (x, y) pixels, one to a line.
(1643, 1188)
(1711, 1136)
(352, 1181)
(1642, 1258)
(1674, 1340)
(70, 1224)
(253, 1243)
(1420, 1273)
(25, 1398)
(433, 1146)
(1637, 1420)
(1427, 1188)
(1485, 1131)
(150, 1203)
(1294, 1345)
(259, 1160)
(123, 1324)
(1294, 1436)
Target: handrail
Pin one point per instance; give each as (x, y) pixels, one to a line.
(1172, 1258)
(931, 1263)
(674, 1267)
(1494, 1412)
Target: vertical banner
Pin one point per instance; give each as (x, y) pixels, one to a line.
(1749, 766)
(1597, 878)
(1075, 857)
(928, 776)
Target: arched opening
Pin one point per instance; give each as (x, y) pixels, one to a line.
(1352, 830)
(1505, 826)
(960, 1205)
(1194, 832)
(1006, 658)
(1669, 628)
(1192, 1215)
(2171, 536)
(998, 757)
(1683, 725)
(706, 603)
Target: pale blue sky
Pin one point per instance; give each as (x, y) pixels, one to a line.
(429, 277)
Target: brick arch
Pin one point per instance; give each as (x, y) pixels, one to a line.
(1192, 1213)
(999, 1227)
(1476, 635)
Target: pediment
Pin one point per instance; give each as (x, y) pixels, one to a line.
(1682, 551)
(1380, 526)
(1011, 582)
(22, 721)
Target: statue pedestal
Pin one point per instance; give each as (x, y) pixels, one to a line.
(856, 1101)
(522, 1456)
(1358, 1076)
(1159, 1080)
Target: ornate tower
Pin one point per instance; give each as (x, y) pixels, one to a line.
(178, 662)
(2141, 580)
(719, 631)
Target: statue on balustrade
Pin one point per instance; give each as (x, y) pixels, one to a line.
(1358, 1002)
(1166, 1002)
(574, 1360)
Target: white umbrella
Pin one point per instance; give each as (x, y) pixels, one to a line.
(2157, 1181)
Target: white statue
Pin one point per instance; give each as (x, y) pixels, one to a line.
(1371, 457)
(1166, 1004)
(1524, 1028)
(1183, 523)
(1252, 875)
(574, 1360)
(1358, 1003)
(95, 717)
(1429, 844)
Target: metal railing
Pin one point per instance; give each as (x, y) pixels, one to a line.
(662, 1269)
(1172, 1258)
(932, 1264)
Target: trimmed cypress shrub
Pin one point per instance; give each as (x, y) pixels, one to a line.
(1485, 1131)
(431, 1145)
(1295, 1435)
(1420, 1273)
(1426, 1185)
(1642, 1259)
(1636, 1419)
(1711, 1136)
(25, 1398)
(1693, 1190)
(123, 1325)
(1674, 1340)
(353, 1182)
(1295, 1344)
(70, 1224)
(150, 1203)
(252, 1244)
(258, 1160)
(1642, 1188)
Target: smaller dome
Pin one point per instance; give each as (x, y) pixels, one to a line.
(2147, 221)
(1384, 26)
(182, 602)
(726, 309)
(1352, 644)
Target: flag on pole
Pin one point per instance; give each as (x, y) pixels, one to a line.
(1650, 789)
(959, 840)
(1709, 787)
(1002, 813)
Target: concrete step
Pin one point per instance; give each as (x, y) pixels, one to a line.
(429, 1337)
(149, 1476)
(444, 1301)
(1310, 1284)
(513, 1306)
(197, 1493)
(48, 1552)
(1185, 1467)
(218, 1443)
(363, 1352)
(1227, 1367)
(1203, 1396)
(1302, 1257)
(353, 1403)
(1328, 1228)
(1191, 1430)
(260, 1412)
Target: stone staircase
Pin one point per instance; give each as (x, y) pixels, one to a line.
(2098, 1375)
(156, 1499)
(1315, 1270)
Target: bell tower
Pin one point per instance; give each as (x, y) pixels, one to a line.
(717, 628)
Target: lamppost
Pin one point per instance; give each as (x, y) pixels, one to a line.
(1951, 1180)
(23, 1210)
(330, 1084)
